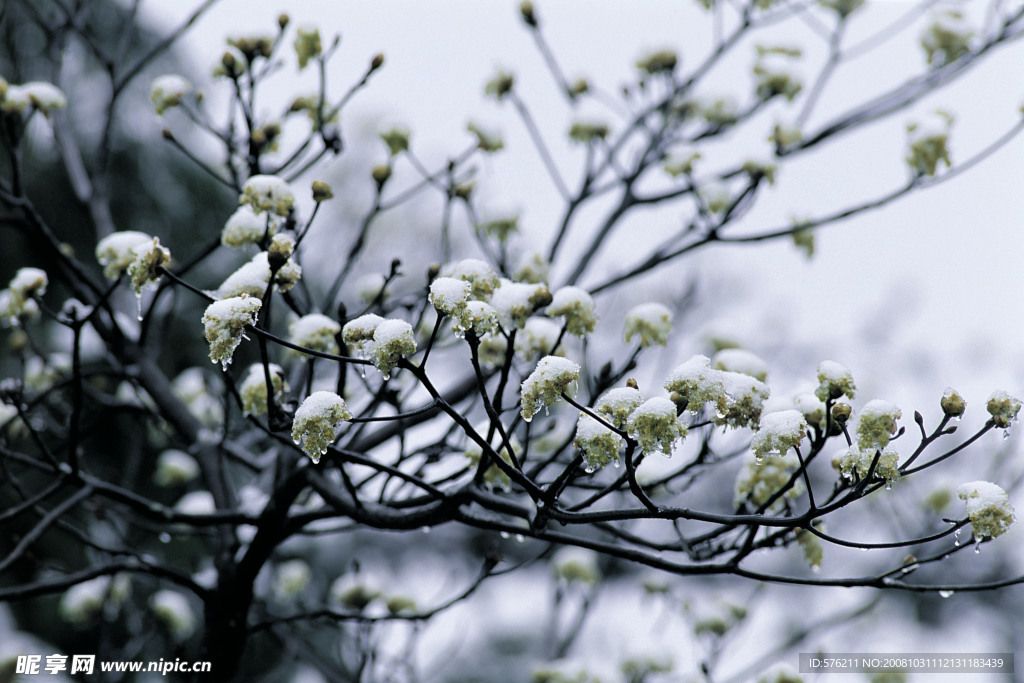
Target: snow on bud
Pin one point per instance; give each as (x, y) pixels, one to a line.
(599, 444)
(988, 508)
(359, 331)
(952, 403)
(233, 63)
(876, 423)
(515, 302)
(190, 387)
(577, 307)
(573, 564)
(252, 278)
(39, 95)
(481, 277)
(617, 405)
(742, 401)
(694, 383)
(17, 300)
(315, 331)
(762, 478)
(486, 140)
(742, 361)
(174, 610)
(778, 432)
(773, 74)
(538, 338)
(291, 579)
(928, 143)
(392, 339)
(856, 462)
(811, 407)
(253, 389)
(280, 249)
(268, 193)
(1003, 408)
(307, 45)
(196, 503)
(652, 322)
(834, 380)
(174, 468)
(81, 602)
(145, 267)
(718, 112)
(449, 294)
(655, 426)
(546, 384)
(947, 38)
(224, 322)
(245, 226)
(843, 8)
(351, 592)
(317, 422)
(477, 316)
(167, 91)
(116, 251)
(681, 163)
(533, 269)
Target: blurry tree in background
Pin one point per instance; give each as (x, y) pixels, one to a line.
(156, 506)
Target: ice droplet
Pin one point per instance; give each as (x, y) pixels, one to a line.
(1006, 433)
(888, 486)
(165, 537)
(387, 376)
(589, 469)
(520, 538)
(505, 534)
(909, 568)
(527, 419)
(138, 306)
(946, 594)
(540, 503)
(425, 529)
(956, 537)
(616, 463)
(816, 568)
(863, 550)
(977, 546)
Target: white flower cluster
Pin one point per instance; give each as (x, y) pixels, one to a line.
(317, 422)
(190, 387)
(17, 302)
(545, 385)
(174, 610)
(267, 193)
(946, 38)
(81, 602)
(988, 508)
(876, 424)
(778, 432)
(174, 468)
(576, 564)
(928, 143)
(22, 100)
(599, 444)
(834, 380)
(477, 299)
(576, 306)
(224, 322)
(290, 579)
(383, 340)
(167, 91)
(1003, 408)
(245, 226)
(760, 480)
(116, 251)
(253, 277)
(144, 268)
(741, 361)
(315, 331)
(651, 322)
(253, 389)
(738, 397)
(774, 74)
(655, 426)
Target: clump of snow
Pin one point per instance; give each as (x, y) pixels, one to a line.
(988, 508)
(577, 307)
(742, 361)
(834, 381)
(268, 193)
(545, 385)
(224, 322)
(317, 421)
(315, 331)
(618, 403)
(876, 424)
(651, 322)
(655, 426)
(116, 251)
(778, 432)
(167, 91)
